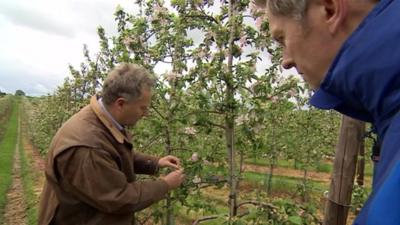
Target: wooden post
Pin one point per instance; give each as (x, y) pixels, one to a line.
(339, 197)
(361, 162)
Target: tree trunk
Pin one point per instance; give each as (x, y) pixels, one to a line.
(169, 217)
(170, 220)
(230, 117)
(339, 197)
(304, 193)
(269, 177)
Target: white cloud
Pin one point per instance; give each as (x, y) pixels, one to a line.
(40, 88)
(3, 89)
(24, 15)
(40, 38)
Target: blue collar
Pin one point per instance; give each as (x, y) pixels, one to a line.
(363, 81)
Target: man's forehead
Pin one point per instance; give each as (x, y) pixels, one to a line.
(275, 25)
(260, 3)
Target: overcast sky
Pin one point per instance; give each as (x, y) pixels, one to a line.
(39, 38)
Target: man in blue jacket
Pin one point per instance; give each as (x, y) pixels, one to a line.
(348, 51)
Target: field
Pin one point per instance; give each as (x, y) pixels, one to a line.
(22, 165)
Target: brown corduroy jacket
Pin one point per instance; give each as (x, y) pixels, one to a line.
(90, 174)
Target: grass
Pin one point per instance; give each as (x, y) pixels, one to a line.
(5, 105)
(28, 183)
(7, 150)
(322, 167)
(283, 183)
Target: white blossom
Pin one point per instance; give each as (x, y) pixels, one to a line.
(171, 76)
(196, 180)
(241, 119)
(190, 130)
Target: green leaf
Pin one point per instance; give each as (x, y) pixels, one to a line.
(295, 220)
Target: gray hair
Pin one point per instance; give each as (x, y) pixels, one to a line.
(292, 8)
(126, 81)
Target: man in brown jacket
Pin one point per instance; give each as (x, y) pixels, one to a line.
(91, 166)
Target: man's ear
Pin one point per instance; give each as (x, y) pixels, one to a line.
(119, 102)
(336, 12)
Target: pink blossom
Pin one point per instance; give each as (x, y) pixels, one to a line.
(201, 54)
(257, 128)
(254, 68)
(127, 41)
(243, 40)
(157, 8)
(195, 157)
(274, 99)
(291, 93)
(259, 21)
(206, 162)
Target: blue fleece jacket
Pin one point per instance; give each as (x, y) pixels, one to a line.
(364, 83)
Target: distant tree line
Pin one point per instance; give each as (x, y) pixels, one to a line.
(19, 93)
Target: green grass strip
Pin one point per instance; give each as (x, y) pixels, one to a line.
(7, 150)
(322, 167)
(284, 183)
(28, 175)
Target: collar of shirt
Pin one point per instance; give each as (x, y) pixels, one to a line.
(119, 126)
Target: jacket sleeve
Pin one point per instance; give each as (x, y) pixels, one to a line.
(145, 164)
(92, 176)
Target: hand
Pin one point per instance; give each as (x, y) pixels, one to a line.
(169, 161)
(174, 179)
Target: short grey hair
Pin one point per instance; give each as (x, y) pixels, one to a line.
(291, 8)
(126, 81)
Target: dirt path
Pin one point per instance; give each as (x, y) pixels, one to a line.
(37, 165)
(280, 171)
(15, 208)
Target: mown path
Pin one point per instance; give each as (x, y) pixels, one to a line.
(12, 207)
(21, 172)
(15, 208)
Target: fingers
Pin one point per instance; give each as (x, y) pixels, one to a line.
(174, 179)
(180, 170)
(174, 166)
(180, 173)
(172, 162)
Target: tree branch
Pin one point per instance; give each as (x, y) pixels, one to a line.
(151, 142)
(256, 203)
(158, 112)
(198, 221)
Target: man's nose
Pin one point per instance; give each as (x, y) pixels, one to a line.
(287, 61)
